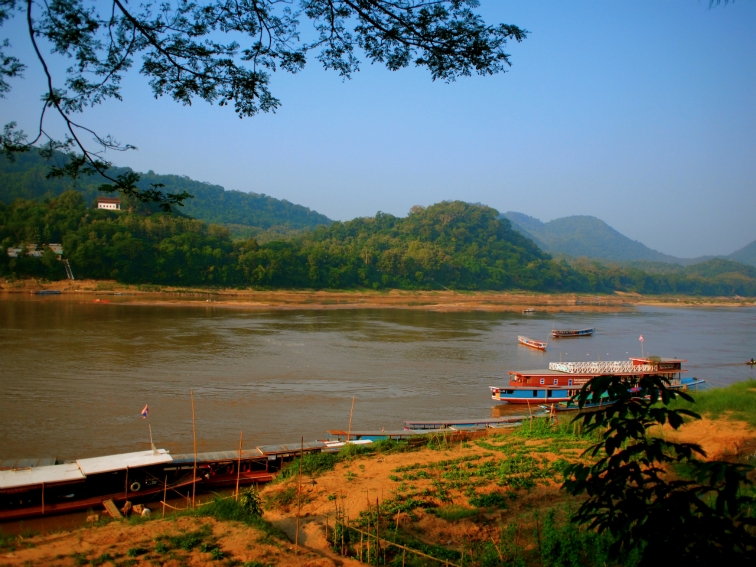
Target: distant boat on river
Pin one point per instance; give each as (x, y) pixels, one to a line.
(567, 333)
(540, 345)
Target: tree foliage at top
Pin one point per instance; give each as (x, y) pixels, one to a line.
(223, 52)
(654, 495)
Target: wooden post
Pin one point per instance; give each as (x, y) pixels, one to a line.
(299, 494)
(531, 415)
(238, 470)
(351, 411)
(43, 498)
(165, 493)
(194, 435)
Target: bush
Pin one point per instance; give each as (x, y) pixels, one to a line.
(492, 500)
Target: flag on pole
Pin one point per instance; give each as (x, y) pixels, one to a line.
(145, 412)
(641, 338)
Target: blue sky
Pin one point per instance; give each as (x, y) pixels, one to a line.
(638, 112)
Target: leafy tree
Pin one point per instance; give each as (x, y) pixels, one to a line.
(654, 495)
(223, 51)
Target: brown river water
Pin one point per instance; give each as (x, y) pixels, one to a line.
(74, 374)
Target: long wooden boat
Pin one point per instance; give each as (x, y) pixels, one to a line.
(540, 345)
(567, 333)
(28, 491)
(529, 310)
(463, 423)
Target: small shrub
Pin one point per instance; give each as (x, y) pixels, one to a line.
(161, 548)
(217, 553)
(135, 551)
(102, 559)
(250, 503)
(491, 500)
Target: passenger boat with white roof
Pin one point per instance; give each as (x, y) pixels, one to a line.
(562, 380)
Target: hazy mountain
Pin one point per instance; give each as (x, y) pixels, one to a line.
(244, 213)
(586, 236)
(746, 255)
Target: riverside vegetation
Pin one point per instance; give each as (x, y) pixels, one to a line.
(452, 245)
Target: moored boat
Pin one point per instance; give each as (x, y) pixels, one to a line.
(567, 333)
(143, 476)
(528, 310)
(540, 345)
(562, 380)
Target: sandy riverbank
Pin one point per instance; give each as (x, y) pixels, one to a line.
(439, 475)
(447, 301)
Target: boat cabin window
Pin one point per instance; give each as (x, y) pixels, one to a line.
(556, 381)
(548, 393)
(535, 393)
(569, 382)
(543, 381)
(510, 392)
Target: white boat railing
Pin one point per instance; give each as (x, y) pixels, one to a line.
(605, 367)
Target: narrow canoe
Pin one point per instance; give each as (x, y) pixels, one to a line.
(540, 345)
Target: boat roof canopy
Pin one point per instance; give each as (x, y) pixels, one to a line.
(6, 464)
(291, 448)
(119, 462)
(51, 474)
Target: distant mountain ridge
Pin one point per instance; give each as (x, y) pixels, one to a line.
(590, 237)
(25, 178)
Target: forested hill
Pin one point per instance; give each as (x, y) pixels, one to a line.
(25, 179)
(585, 236)
(451, 245)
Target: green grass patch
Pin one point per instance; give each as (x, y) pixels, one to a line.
(454, 513)
(226, 509)
(737, 401)
(491, 500)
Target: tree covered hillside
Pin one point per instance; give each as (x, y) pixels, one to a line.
(26, 179)
(451, 245)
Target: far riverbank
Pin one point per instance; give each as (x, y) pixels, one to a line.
(445, 301)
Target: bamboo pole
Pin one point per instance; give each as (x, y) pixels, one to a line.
(351, 411)
(194, 435)
(238, 469)
(165, 493)
(299, 495)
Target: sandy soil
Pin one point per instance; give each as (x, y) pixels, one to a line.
(721, 439)
(89, 290)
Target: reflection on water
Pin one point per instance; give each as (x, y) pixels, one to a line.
(76, 374)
